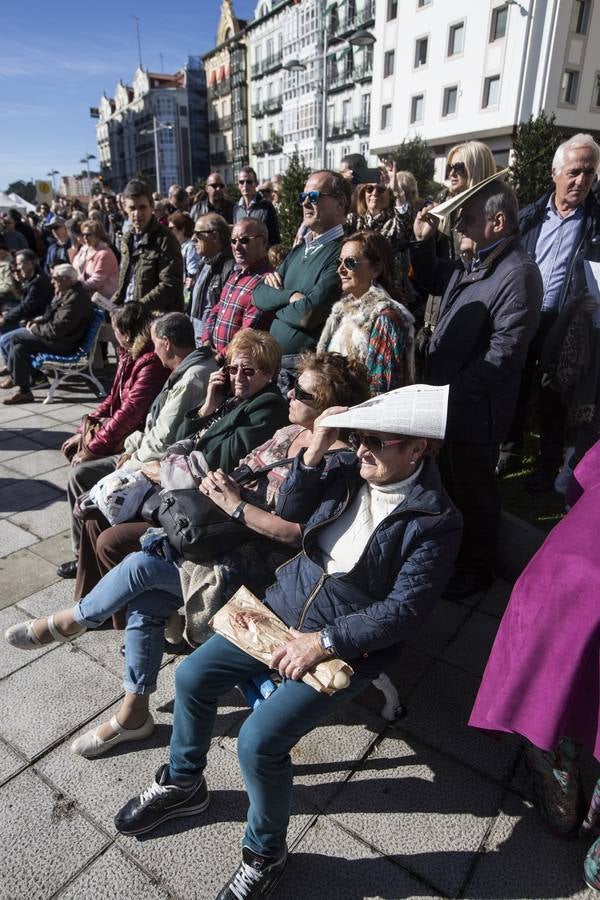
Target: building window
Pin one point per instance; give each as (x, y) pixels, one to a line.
(386, 116)
(456, 38)
(388, 63)
(422, 3)
(421, 52)
(392, 10)
(365, 108)
(569, 87)
(596, 97)
(580, 16)
(491, 91)
(417, 104)
(498, 26)
(450, 100)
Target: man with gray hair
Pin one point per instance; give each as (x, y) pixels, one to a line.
(488, 314)
(60, 330)
(559, 231)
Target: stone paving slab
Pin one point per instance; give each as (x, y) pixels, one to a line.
(419, 808)
(13, 538)
(522, 859)
(53, 437)
(33, 464)
(10, 414)
(44, 521)
(21, 574)
(10, 762)
(49, 599)
(55, 549)
(470, 649)
(35, 422)
(439, 628)
(328, 862)
(438, 711)
(53, 694)
(112, 875)
(495, 600)
(44, 839)
(59, 478)
(24, 494)
(16, 444)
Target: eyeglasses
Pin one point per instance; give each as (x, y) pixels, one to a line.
(313, 196)
(246, 181)
(458, 168)
(302, 395)
(350, 263)
(86, 234)
(214, 184)
(375, 189)
(373, 443)
(247, 371)
(243, 240)
(200, 234)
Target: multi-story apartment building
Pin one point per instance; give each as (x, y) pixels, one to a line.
(265, 41)
(78, 185)
(155, 127)
(466, 69)
(226, 76)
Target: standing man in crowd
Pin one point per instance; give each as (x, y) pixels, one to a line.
(58, 250)
(212, 239)
(151, 270)
(216, 201)
(306, 285)
(559, 231)
(236, 309)
(488, 315)
(253, 205)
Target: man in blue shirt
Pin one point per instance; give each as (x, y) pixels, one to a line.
(559, 231)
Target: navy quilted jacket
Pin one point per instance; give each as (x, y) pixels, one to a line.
(396, 582)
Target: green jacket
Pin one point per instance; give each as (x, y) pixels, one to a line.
(247, 426)
(297, 326)
(157, 269)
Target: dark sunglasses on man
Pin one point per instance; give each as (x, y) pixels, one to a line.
(313, 196)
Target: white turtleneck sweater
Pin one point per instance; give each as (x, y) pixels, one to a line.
(342, 542)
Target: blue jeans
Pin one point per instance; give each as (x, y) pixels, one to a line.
(5, 341)
(265, 739)
(150, 590)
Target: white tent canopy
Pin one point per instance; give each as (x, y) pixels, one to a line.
(6, 202)
(21, 204)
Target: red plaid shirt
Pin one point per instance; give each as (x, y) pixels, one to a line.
(235, 309)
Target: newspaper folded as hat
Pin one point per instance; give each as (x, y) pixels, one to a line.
(418, 410)
(443, 210)
(252, 627)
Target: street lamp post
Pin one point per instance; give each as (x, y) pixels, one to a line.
(156, 127)
(86, 162)
(360, 38)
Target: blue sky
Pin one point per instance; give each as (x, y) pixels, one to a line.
(58, 58)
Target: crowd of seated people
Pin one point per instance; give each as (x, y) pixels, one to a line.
(229, 363)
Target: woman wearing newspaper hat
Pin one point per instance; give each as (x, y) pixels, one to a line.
(379, 542)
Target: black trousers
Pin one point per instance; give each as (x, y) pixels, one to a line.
(23, 346)
(467, 472)
(546, 402)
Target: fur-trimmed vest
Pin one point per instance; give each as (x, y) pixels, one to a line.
(350, 325)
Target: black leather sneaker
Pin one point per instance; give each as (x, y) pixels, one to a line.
(160, 802)
(68, 569)
(256, 876)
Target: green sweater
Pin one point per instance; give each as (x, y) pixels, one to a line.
(297, 326)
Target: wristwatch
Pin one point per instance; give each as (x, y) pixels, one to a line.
(239, 510)
(326, 643)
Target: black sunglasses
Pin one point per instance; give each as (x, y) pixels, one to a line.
(373, 443)
(244, 240)
(458, 168)
(302, 395)
(198, 234)
(247, 371)
(375, 188)
(314, 196)
(350, 263)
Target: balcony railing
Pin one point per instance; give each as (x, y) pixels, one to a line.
(257, 111)
(274, 143)
(339, 130)
(219, 158)
(363, 73)
(362, 124)
(273, 104)
(343, 20)
(222, 124)
(259, 148)
(220, 88)
(336, 79)
(270, 64)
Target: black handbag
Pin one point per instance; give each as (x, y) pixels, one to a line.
(197, 529)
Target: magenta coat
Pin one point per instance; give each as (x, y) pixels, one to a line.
(542, 679)
(136, 384)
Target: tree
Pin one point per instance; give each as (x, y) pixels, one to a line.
(290, 211)
(25, 189)
(534, 144)
(414, 155)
